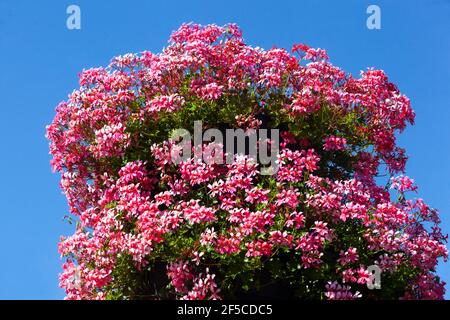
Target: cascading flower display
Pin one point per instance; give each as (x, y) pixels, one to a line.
(148, 228)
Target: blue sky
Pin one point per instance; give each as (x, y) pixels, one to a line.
(40, 59)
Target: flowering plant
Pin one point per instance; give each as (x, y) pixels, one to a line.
(149, 228)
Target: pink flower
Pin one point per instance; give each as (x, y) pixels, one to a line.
(208, 237)
(288, 197)
(211, 91)
(258, 248)
(403, 183)
(281, 238)
(179, 273)
(229, 244)
(349, 256)
(335, 291)
(169, 103)
(195, 213)
(363, 276)
(111, 140)
(296, 219)
(334, 143)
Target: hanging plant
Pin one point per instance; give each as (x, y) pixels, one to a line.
(316, 228)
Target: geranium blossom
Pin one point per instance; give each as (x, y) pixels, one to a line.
(196, 230)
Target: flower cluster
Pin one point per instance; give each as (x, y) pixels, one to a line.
(334, 143)
(193, 230)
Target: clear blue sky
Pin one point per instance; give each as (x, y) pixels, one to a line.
(40, 59)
